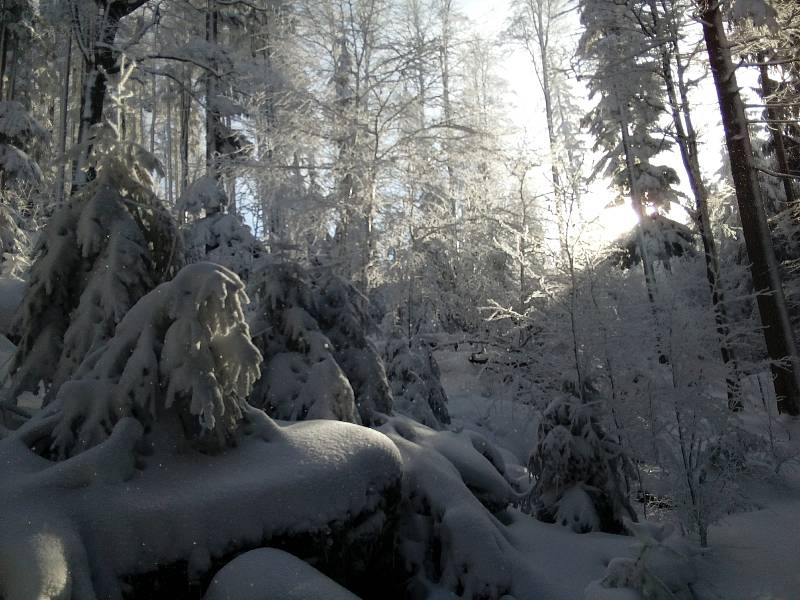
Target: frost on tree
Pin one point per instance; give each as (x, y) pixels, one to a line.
(182, 354)
(103, 250)
(13, 243)
(214, 234)
(579, 470)
(343, 315)
(664, 240)
(301, 378)
(414, 378)
(19, 133)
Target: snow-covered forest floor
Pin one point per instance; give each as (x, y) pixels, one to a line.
(746, 559)
(532, 559)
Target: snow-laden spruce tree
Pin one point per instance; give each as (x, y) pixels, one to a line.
(18, 133)
(214, 234)
(109, 245)
(580, 470)
(343, 316)
(301, 379)
(182, 354)
(414, 379)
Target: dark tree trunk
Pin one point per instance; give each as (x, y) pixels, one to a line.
(767, 89)
(64, 121)
(212, 90)
(677, 94)
(764, 267)
(98, 65)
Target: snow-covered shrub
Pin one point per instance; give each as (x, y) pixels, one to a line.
(343, 316)
(18, 132)
(414, 378)
(204, 196)
(579, 469)
(301, 379)
(215, 235)
(184, 349)
(103, 250)
(661, 570)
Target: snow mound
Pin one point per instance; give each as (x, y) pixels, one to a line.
(439, 510)
(267, 573)
(662, 569)
(480, 464)
(77, 528)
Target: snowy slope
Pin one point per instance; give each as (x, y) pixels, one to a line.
(488, 409)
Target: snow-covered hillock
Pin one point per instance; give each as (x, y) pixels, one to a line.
(81, 527)
(447, 538)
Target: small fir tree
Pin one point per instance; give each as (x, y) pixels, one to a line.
(414, 378)
(103, 250)
(301, 378)
(579, 469)
(183, 350)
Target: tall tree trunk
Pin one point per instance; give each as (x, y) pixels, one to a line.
(641, 229)
(764, 267)
(677, 94)
(64, 123)
(775, 130)
(97, 66)
(11, 93)
(212, 90)
(447, 109)
(542, 39)
(4, 33)
(169, 153)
